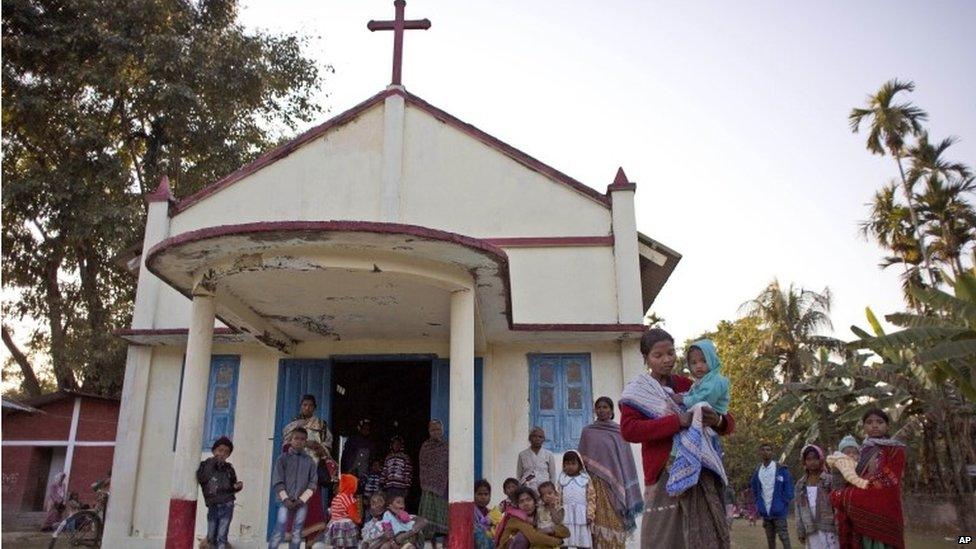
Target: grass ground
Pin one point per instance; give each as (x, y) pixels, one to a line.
(745, 536)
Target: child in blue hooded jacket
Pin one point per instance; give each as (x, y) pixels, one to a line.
(710, 386)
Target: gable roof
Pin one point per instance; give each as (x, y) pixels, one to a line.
(286, 149)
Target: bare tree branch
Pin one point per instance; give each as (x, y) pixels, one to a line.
(31, 385)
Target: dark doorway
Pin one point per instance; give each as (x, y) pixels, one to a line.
(395, 396)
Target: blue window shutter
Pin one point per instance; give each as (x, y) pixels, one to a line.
(544, 397)
(577, 397)
(221, 398)
(440, 392)
(560, 397)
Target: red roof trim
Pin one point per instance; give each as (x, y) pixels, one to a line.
(551, 241)
(281, 151)
(327, 226)
(507, 150)
(349, 115)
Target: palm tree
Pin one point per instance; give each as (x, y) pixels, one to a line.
(946, 215)
(890, 225)
(790, 319)
(889, 125)
(950, 220)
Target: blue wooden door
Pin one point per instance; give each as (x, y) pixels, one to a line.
(297, 377)
(440, 402)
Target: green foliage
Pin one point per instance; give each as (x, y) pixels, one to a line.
(789, 318)
(101, 98)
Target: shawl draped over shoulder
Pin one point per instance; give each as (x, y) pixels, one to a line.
(608, 457)
(434, 466)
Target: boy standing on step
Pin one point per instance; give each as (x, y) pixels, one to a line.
(295, 478)
(220, 486)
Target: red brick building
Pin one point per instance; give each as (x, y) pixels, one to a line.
(66, 432)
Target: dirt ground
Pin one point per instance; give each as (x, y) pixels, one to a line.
(745, 536)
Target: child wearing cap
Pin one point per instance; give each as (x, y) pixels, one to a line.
(219, 482)
(845, 461)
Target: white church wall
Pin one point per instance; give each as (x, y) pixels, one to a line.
(507, 398)
(563, 285)
(335, 177)
(156, 451)
(458, 184)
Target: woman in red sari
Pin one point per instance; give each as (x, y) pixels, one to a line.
(871, 518)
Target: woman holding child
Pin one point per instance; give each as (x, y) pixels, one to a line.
(613, 475)
(651, 417)
(871, 517)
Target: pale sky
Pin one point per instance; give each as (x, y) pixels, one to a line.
(730, 116)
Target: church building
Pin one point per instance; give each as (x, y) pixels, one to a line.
(397, 263)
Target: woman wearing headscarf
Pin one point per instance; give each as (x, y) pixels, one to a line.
(815, 524)
(871, 518)
(433, 482)
(651, 418)
(54, 502)
(613, 475)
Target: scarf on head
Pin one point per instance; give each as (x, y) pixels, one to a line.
(581, 479)
(434, 467)
(820, 453)
(608, 457)
(697, 447)
(713, 387)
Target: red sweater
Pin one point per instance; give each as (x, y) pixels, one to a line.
(656, 435)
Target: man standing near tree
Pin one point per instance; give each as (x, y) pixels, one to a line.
(773, 487)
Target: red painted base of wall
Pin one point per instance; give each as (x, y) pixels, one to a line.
(182, 522)
(461, 520)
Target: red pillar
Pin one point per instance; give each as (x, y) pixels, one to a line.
(460, 525)
(182, 522)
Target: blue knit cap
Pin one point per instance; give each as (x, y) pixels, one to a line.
(848, 442)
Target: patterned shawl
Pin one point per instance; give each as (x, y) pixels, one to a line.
(317, 429)
(697, 446)
(608, 457)
(875, 511)
(434, 467)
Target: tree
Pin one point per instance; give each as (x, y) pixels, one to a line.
(890, 225)
(101, 98)
(947, 217)
(929, 371)
(889, 125)
(790, 320)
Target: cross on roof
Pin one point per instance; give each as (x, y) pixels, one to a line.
(398, 25)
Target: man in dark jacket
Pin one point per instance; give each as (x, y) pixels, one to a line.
(219, 483)
(773, 488)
